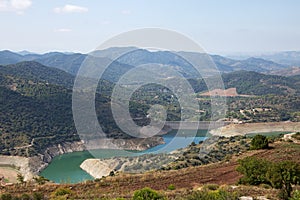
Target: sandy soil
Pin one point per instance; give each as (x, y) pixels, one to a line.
(9, 174)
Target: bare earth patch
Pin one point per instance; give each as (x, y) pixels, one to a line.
(242, 129)
(230, 92)
(9, 174)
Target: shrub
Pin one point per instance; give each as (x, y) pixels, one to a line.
(38, 196)
(212, 195)
(283, 175)
(171, 187)
(6, 197)
(296, 195)
(254, 171)
(147, 194)
(265, 186)
(259, 142)
(296, 136)
(20, 178)
(227, 157)
(61, 192)
(40, 180)
(111, 173)
(280, 175)
(211, 186)
(25, 197)
(193, 144)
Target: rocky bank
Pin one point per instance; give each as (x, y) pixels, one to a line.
(242, 129)
(32, 166)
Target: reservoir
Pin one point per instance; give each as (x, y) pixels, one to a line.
(66, 168)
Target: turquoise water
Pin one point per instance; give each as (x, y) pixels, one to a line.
(66, 168)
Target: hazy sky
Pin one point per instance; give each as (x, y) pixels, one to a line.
(219, 26)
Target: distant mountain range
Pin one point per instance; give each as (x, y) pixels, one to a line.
(71, 62)
(291, 58)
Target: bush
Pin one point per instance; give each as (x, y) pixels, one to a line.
(25, 197)
(296, 136)
(147, 194)
(38, 196)
(61, 192)
(296, 195)
(280, 175)
(211, 186)
(6, 197)
(171, 187)
(20, 178)
(254, 171)
(259, 142)
(283, 175)
(111, 173)
(40, 180)
(212, 195)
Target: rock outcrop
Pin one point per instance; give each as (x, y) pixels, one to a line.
(30, 167)
(20, 163)
(60, 149)
(98, 168)
(138, 144)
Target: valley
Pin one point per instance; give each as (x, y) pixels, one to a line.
(149, 100)
(39, 137)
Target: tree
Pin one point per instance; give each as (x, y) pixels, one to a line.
(193, 144)
(111, 173)
(254, 171)
(147, 194)
(259, 142)
(282, 175)
(20, 178)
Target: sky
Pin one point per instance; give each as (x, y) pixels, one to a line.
(219, 26)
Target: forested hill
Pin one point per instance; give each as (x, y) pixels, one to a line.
(47, 117)
(36, 109)
(254, 83)
(37, 72)
(36, 104)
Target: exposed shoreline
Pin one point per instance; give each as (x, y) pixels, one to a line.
(246, 128)
(32, 166)
(102, 167)
(98, 168)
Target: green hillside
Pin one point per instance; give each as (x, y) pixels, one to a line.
(36, 104)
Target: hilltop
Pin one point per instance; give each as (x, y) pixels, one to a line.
(71, 62)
